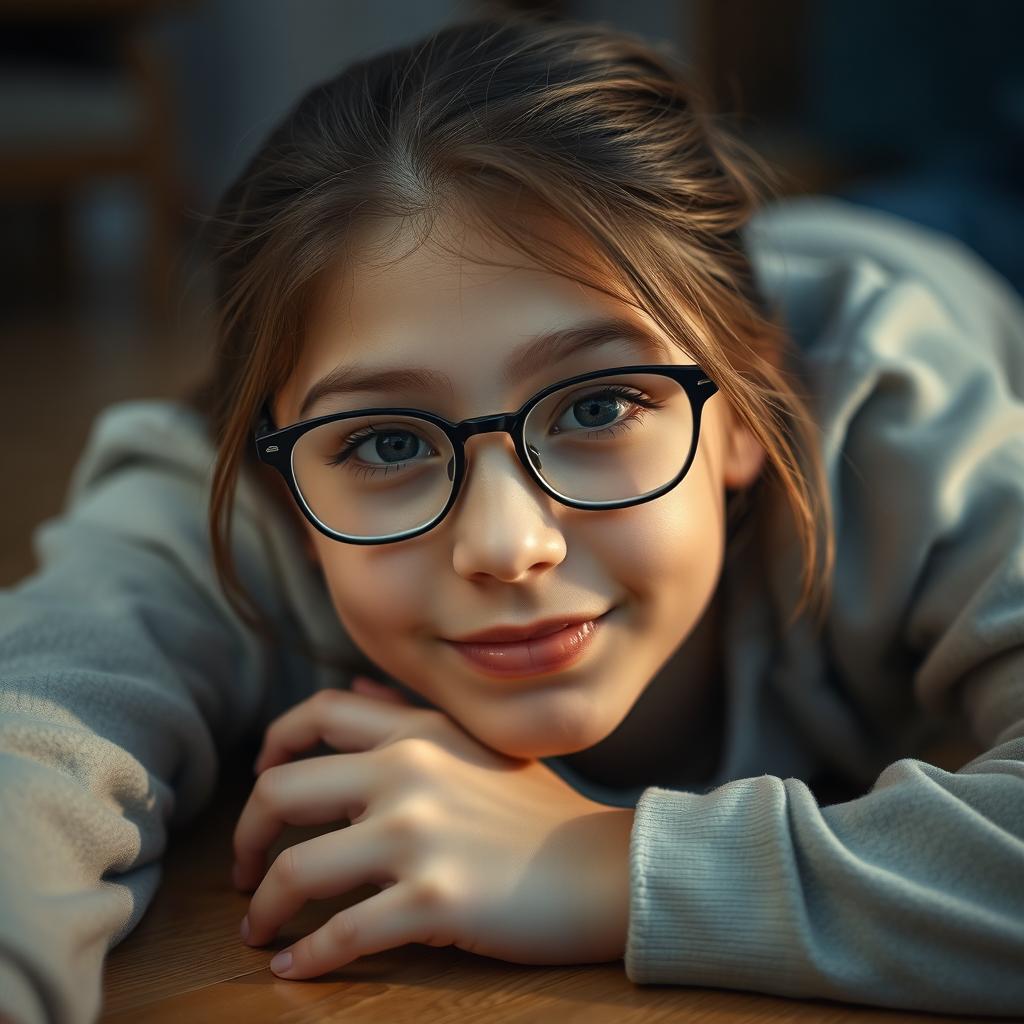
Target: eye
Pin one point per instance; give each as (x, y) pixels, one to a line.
(400, 442)
(603, 404)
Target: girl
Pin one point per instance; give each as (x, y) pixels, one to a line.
(512, 343)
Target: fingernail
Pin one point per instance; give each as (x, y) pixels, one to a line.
(244, 929)
(282, 963)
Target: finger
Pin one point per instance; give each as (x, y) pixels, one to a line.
(373, 689)
(315, 791)
(342, 719)
(385, 921)
(316, 869)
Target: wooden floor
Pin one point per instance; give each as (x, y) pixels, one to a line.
(186, 961)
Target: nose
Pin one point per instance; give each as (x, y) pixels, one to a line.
(503, 523)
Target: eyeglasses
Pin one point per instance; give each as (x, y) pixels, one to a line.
(634, 439)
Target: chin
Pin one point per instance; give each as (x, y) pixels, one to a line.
(530, 753)
(532, 743)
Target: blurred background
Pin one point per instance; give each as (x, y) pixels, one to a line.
(121, 122)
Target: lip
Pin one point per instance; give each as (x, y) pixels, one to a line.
(519, 658)
(532, 631)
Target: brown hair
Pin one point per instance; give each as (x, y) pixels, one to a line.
(589, 125)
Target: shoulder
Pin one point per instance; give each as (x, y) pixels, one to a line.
(855, 284)
(912, 348)
(141, 431)
(914, 352)
(158, 439)
(142, 486)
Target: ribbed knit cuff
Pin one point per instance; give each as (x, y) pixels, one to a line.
(710, 899)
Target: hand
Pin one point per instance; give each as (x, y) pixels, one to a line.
(492, 854)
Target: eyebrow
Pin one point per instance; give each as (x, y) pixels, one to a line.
(544, 350)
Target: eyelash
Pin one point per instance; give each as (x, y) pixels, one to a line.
(628, 394)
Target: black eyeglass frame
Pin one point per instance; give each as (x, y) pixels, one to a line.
(274, 446)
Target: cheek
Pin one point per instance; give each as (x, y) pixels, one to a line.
(373, 595)
(674, 543)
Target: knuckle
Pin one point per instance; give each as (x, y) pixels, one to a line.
(267, 787)
(432, 891)
(412, 820)
(415, 752)
(329, 697)
(285, 868)
(341, 930)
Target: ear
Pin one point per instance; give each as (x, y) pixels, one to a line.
(743, 457)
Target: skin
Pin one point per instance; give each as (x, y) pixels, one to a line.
(507, 552)
(447, 804)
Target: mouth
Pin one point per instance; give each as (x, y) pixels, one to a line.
(530, 631)
(560, 647)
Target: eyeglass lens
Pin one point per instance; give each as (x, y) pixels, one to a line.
(607, 439)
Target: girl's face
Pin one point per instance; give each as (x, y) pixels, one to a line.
(507, 552)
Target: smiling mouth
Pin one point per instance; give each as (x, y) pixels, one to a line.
(557, 650)
(516, 634)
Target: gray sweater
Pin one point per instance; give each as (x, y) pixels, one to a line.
(125, 678)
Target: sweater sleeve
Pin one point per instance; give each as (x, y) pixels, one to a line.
(122, 678)
(911, 895)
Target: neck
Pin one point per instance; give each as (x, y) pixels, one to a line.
(673, 734)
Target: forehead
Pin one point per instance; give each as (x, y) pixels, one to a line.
(462, 309)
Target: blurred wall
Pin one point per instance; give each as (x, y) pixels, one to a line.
(242, 63)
